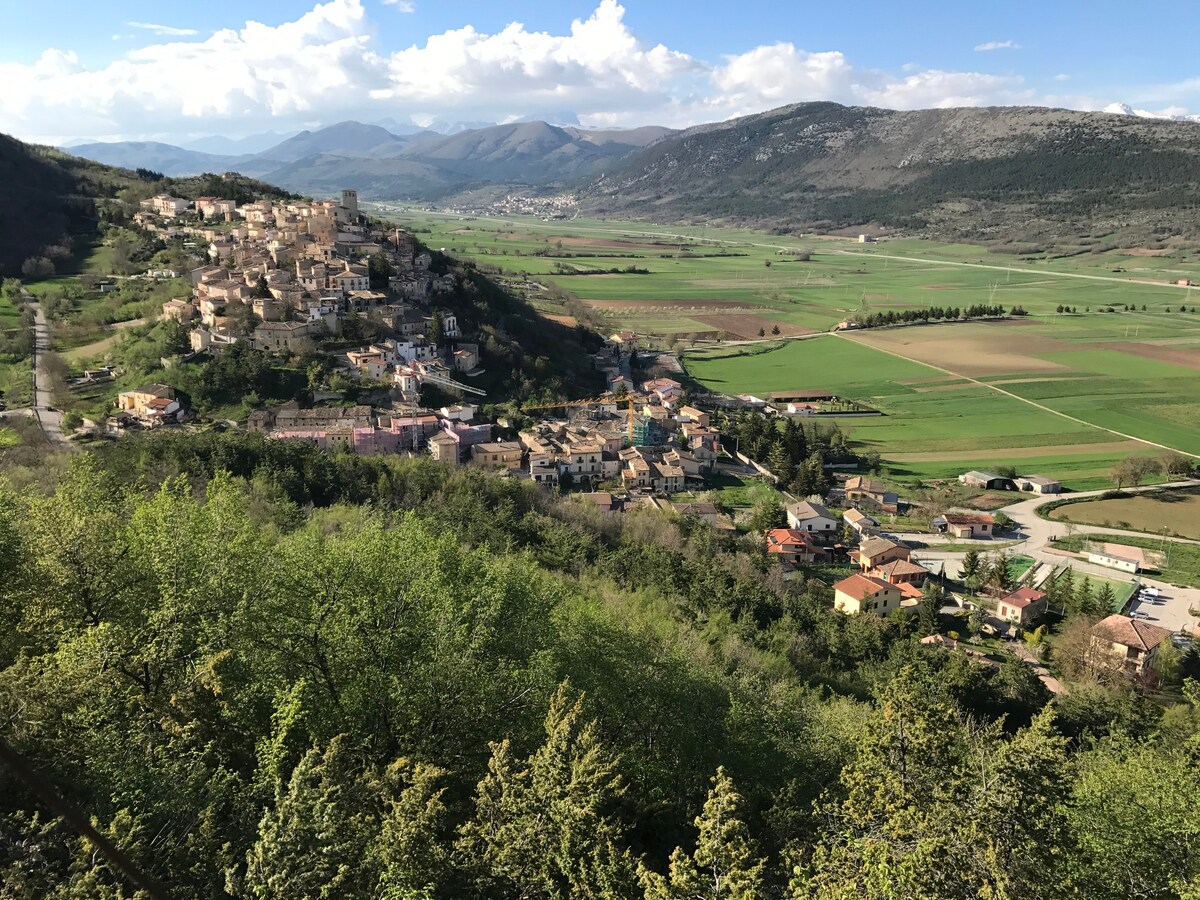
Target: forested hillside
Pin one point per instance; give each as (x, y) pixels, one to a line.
(263, 671)
(52, 202)
(1001, 172)
(45, 204)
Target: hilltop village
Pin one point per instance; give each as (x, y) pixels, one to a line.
(285, 276)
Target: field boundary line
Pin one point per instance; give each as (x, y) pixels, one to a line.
(1036, 405)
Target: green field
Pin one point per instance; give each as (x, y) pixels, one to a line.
(708, 272)
(925, 432)
(1177, 512)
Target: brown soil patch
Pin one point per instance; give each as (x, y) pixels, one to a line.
(972, 349)
(991, 501)
(1006, 381)
(937, 379)
(746, 326)
(561, 320)
(672, 305)
(1174, 355)
(1114, 447)
(1145, 251)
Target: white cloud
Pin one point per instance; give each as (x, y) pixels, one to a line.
(404, 6)
(163, 30)
(1062, 76)
(327, 65)
(997, 45)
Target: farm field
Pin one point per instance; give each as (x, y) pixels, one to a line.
(1178, 512)
(725, 274)
(935, 424)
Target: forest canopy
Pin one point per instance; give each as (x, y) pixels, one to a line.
(263, 671)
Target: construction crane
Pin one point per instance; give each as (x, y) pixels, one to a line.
(595, 401)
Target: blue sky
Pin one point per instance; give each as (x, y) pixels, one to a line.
(140, 69)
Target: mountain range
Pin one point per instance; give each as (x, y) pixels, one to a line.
(422, 164)
(980, 173)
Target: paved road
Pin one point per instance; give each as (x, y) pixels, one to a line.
(49, 419)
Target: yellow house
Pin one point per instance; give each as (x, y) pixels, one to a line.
(866, 594)
(1126, 643)
(497, 455)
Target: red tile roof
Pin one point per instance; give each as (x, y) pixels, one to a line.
(1130, 632)
(862, 586)
(1023, 596)
(968, 518)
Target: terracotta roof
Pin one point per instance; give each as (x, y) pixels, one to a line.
(1023, 596)
(862, 586)
(969, 518)
(869, 485)
(780, 539)
(1130, 632)
(876, 546)
(902, 567)
(854, 516)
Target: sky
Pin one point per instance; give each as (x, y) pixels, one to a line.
(141, 70)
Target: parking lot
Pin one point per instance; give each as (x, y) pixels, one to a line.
(1171, 608)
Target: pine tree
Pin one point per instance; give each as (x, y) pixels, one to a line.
(780, 463)
(1082, 601)
(724, 865)
(1001, 576)
(542, 827)
(1103, 603)
(970, 565)
(314, 841)
(411, 851)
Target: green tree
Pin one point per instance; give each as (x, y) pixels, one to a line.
(724, 866)
(315, 840)
(768, 513)
(971, 565)
(412, 852)
(543, 828)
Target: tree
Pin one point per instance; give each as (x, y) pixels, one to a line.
(780, 463)
(775, 330)
(1168, 662)
(971, 564)
(542, 827)
(315, 839)
(437, 331)
(412, 850)
(261, 290)
(768, 513)
(1133, 470)
(762, 332)
(1177, 464)
(1001, 572)
(1103, 603)
(724, 866)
